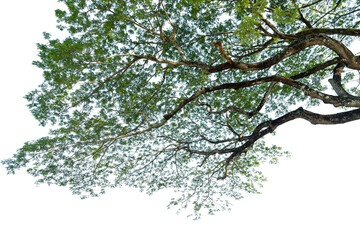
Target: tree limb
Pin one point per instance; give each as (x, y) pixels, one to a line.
(295, 47)
(336, 81)
(330, 99)
(269, 126)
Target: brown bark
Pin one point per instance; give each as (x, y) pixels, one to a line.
(297, 46)
(269, 126)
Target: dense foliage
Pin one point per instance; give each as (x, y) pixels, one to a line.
(178, 94)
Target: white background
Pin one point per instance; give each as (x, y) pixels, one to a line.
(313, 195)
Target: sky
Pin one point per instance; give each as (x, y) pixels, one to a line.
(315, 194)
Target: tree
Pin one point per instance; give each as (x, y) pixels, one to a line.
(179, 94)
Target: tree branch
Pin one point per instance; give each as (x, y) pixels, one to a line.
(330, 31)
(302, 18)
(295, 47)
(317, 68)
(330, 99)
(269, 126)
(336, 81)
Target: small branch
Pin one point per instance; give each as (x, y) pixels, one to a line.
(221, 49)
(275, 30)
(302, 18)
(143, 27)
(232, 108)
(204, 160)
(101, 84)
(102, 156)
(317, 68)
(263, 100)
(311, 4)
(345, 14)
(322, 17)
(151, 58)
(240, 136)
(172, 38)
(263, 47)
(227, 163)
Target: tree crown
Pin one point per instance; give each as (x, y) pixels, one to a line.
(179, 94)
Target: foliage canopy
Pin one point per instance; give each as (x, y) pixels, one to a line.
(179, 94)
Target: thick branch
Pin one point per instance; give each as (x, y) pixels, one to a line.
(313, 118)
(297, 46)
(336, 81)
(335, 100)
(269, 126)
(330, 31)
